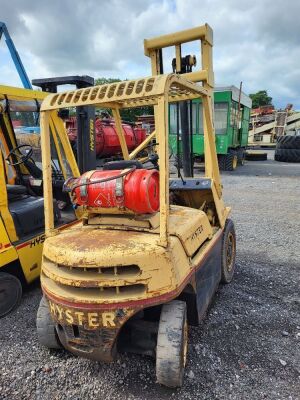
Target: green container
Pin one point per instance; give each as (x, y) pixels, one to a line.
(231, 131)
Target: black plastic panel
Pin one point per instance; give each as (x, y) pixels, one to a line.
(190, 184)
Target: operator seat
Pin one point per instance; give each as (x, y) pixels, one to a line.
(14, 191)
(27, 211)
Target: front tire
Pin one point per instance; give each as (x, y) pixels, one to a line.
(46, 330)
(228, 252)
(10, 293)
(172, 342)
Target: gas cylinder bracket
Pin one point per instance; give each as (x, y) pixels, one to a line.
(83, 188)
(119, 187)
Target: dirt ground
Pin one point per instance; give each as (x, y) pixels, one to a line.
(246, 348)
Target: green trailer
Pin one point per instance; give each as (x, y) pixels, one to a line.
(231, 115)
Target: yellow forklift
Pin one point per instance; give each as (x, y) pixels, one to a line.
(151, 250)
(21, 190)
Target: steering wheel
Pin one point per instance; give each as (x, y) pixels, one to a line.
(21, 157)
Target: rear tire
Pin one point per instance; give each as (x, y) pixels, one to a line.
(287, 155)
(10, 293)
(172, 341)
(46, 330)
(228, 252)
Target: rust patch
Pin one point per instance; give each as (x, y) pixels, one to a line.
(90, 240)
(97, 345)
(89, 333)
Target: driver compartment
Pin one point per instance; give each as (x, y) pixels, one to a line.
(21, 200)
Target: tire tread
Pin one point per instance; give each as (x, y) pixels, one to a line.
(46, 327)
(18, 287)
(169, 344)
(226, 277)
(288, 142)
(287, 155)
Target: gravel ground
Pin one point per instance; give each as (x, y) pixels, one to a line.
(246, 348)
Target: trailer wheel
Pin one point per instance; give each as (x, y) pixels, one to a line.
(228, 162)
(10, 293)
(172, 342)
(46, 330)
(228, 252)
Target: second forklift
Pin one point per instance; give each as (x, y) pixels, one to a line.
(22, 232)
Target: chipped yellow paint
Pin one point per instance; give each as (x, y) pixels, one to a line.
(116, 257)
(81, 257)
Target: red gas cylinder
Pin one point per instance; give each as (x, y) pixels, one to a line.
(107, 140)
(138, 190)
(71, 127)
(140, 135)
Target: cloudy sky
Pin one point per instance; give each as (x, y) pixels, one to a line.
(257, 42)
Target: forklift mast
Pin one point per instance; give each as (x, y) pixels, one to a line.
(184, 65)
(85, 117)
(15, 56)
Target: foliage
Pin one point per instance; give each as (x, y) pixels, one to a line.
(260, 98)
(103, 81)
(130, 114)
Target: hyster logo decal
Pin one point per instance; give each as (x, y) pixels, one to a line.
(92, 319)
(197, 232)
(92, 135)
(38, 240)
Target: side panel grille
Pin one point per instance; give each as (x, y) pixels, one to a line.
(102, 282)
(130, 270)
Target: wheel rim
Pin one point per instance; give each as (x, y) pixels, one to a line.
(9, 294)
(230, 252)
(234, 162)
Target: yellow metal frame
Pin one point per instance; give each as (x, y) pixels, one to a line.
(14, 93)
(4, 210)
(157, 91)
(202, 33)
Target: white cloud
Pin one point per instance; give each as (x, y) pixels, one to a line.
(254, 42)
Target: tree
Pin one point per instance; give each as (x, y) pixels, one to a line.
(103, 81)
(130, 114)
(260, 98)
